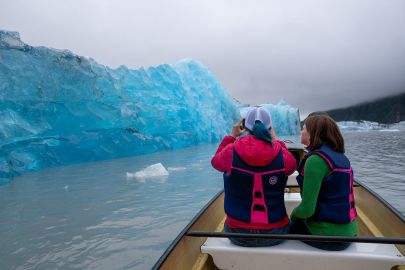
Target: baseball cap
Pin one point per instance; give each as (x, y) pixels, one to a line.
(257, 113)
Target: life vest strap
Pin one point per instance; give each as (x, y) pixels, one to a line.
(254, 173)
(326, 159)
(353, 212)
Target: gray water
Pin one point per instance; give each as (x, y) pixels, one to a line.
(378, 160)
(91, 216)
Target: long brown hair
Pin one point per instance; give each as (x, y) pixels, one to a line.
(323, 129)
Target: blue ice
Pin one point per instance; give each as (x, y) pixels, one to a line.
(58, 108)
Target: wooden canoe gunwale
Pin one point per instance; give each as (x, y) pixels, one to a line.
(382, 201)
(183, 233)
(373, 212)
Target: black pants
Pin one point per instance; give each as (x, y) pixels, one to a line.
(299, 227)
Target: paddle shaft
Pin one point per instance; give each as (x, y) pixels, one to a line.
(302, 237)
(297, 186)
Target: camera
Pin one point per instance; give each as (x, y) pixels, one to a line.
(242, 126)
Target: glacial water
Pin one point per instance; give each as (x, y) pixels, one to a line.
(378, 159)
(91, 216)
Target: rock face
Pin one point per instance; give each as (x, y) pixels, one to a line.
(386, 110)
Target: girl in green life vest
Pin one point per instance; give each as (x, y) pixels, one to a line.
(326, 182)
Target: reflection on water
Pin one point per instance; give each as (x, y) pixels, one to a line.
(91, 216)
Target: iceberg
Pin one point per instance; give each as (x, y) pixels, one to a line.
(58, 108)
(358, 125)
(286, 119)
(153, 171)
(368, 126)
(398, 126)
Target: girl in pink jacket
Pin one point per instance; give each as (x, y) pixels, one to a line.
(256, 168)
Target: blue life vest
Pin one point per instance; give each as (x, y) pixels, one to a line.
(255, 194)
(336, 199)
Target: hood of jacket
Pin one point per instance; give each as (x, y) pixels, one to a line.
(256, 152)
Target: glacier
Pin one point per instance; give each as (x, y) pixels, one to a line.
(58, 108)
(370, 126)
(286, 119)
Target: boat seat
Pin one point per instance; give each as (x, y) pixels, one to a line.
(297, 255)
(291, 200)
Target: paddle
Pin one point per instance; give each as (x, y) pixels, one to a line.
(297, 186)
(302, 237)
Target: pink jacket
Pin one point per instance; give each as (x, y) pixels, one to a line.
(253, 151)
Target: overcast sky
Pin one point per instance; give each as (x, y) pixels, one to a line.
(315, 54)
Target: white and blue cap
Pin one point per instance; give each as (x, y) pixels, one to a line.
(257, 113)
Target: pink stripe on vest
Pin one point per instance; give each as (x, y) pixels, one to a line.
(257, 216)
(326, 159)
(353, 212)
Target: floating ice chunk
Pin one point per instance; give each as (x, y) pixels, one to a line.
(367, 126)
(359, 126)
(176, 169)
(400, 126)
(153, 171)
(389, 130)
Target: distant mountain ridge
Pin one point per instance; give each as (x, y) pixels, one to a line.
(386, 110)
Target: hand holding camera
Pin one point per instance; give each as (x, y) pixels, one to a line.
(273, 134)
(238, 128)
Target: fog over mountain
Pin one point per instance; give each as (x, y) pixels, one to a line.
(386, 110)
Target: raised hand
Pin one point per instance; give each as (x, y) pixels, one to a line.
(237, 129)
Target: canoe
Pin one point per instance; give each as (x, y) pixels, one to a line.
(380, 244)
